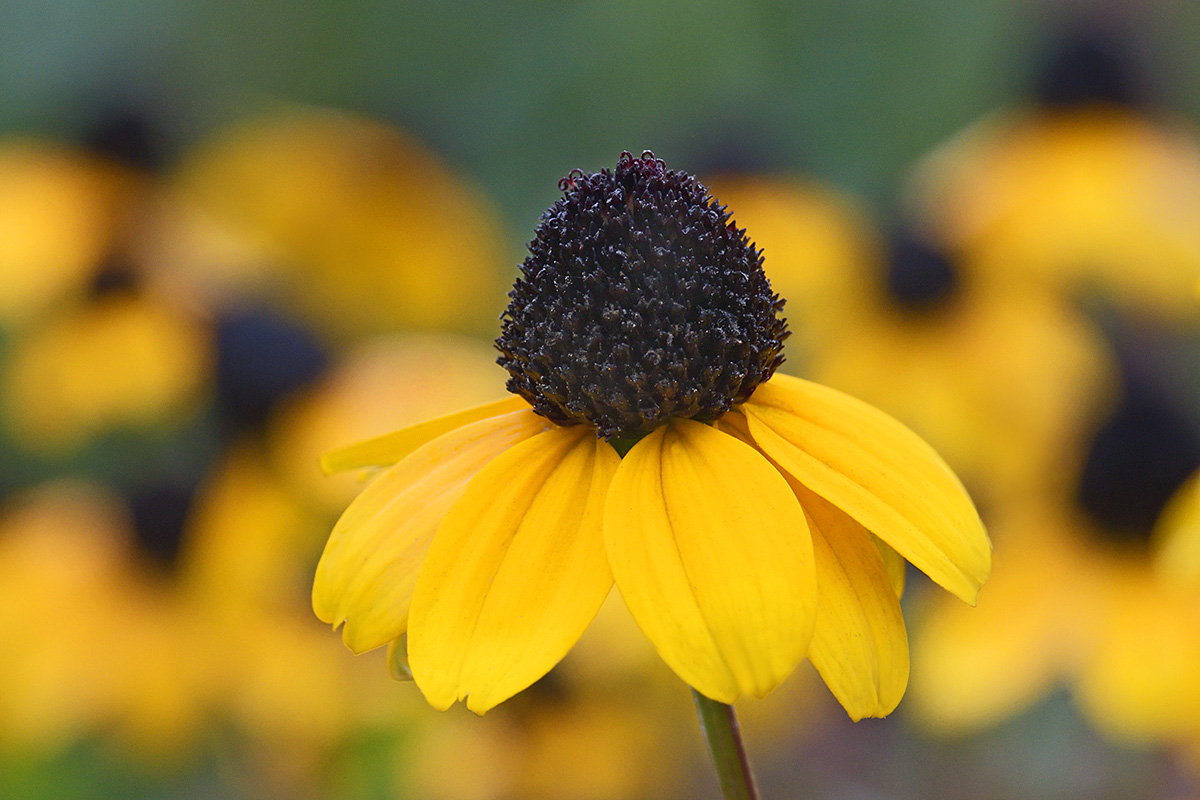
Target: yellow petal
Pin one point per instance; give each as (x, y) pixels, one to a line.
(877, 471)
(711, 552)
(975, 667)
(897, 567)
(860, 646)
(1177, 536)
(516, 572)
(367, 572)
(388, 449)
(1139, 683)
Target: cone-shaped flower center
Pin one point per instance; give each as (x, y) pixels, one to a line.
(640, 301)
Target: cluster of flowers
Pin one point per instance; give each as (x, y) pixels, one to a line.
(180, 344)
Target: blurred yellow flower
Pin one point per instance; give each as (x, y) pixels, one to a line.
(103, 637)
(353, 223)
(61, 211)
(1079, 597)
(1094, 198)
(60, 561)
(116, 361)
(1001, 379)
(496, 533)
(1062, 610)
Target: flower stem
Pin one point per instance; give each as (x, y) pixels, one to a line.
(724, 737)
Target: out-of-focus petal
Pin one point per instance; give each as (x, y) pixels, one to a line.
(974, 667)
(1177, 554)
(1139, 683)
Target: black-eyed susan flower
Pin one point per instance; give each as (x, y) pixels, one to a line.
(949, 353)
(1082, 190)
(1099, 590)
(139, 608)
(61, 210)
(120, 360)
(353, 224)
(146, 618)
(650, 444)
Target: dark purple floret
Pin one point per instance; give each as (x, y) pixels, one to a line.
(640, 301)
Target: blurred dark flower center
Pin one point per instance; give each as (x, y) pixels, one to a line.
(262, 358)
(115, 276)
(128, 135)
(1087, 69)
(918, 277)
(1136, 462)
(160, 513)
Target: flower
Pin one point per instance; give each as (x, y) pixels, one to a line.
(949, 354)
(1099, 590)
(61, 212)
(740, 524)
(123, 360)
(1085, 190)
(352, 224)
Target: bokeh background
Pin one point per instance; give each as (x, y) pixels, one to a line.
(235, 236)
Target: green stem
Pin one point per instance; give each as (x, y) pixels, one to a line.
(724, 737)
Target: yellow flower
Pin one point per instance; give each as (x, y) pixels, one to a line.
(1093, 592)
(956, 366)
(117, 361)
(61, 211)
(133, 643)
(355, 225)
(1096, 198)
(739, 525)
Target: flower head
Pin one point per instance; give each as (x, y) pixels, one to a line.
(1099, 592)
(749, 520)
(640, 302)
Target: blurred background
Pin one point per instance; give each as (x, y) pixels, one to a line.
(233, 237)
